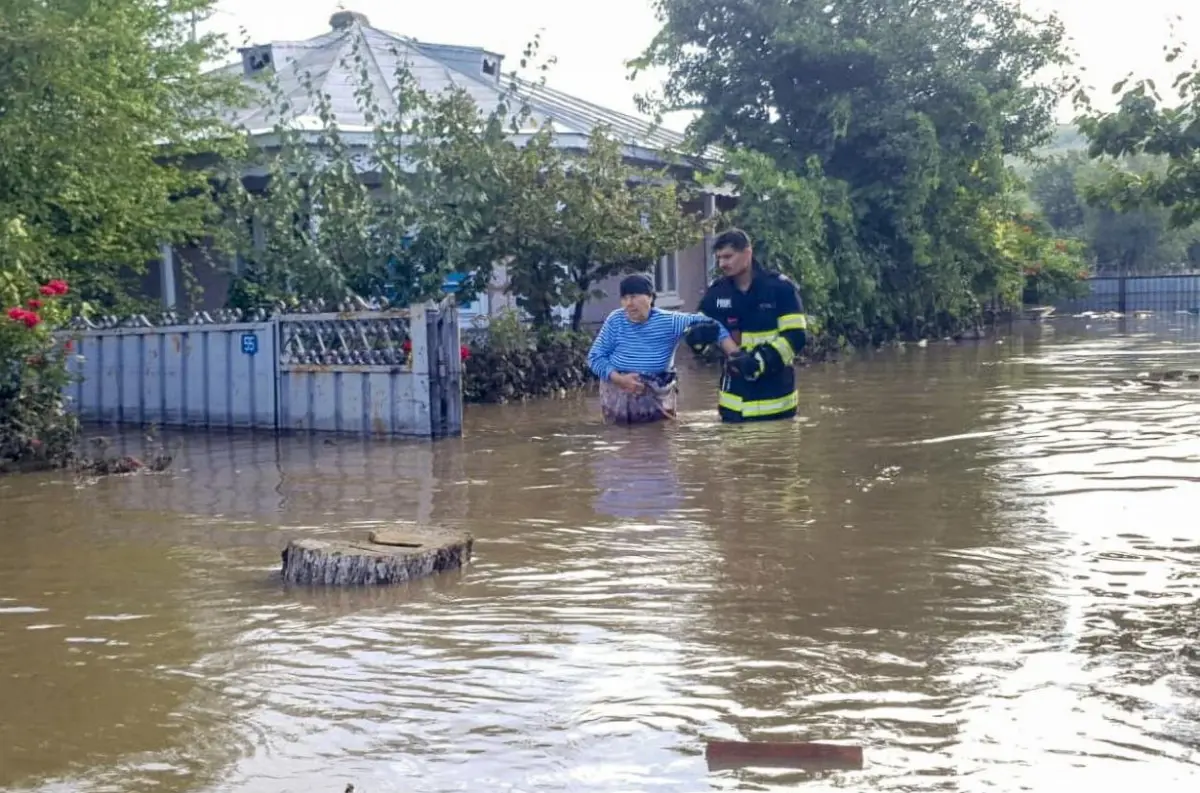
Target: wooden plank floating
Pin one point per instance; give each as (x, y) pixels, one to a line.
(808, 756)
(390, 556)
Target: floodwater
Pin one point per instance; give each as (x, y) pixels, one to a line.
(980, 562)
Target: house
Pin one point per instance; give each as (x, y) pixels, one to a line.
(681, 276)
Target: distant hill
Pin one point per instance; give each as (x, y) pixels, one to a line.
(1066, 139)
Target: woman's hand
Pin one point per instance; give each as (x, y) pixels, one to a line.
(629, 383)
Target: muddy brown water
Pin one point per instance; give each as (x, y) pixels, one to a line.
(981, 562)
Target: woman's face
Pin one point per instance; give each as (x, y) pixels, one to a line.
(637, 307)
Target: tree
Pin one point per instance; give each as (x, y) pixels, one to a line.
(1131, 238)
(579, 218)
(451, 192)
(104, 112)
(912, 106)
(1053, 186)
(1144, 123)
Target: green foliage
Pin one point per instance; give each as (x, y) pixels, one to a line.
(898, 115)
(575, 219)
(104, 112)
(513, 362)
(1070, 192)
(1144, 123)
(35, 429)
(1052, 268)
(452, 192)
(328, 234)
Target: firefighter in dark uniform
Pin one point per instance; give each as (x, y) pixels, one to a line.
(762, 311)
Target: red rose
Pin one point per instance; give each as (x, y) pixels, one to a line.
(34, 303)
(463, 352)
(30, 318)
(407, 345)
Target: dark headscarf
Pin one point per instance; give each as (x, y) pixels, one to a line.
(637, 284)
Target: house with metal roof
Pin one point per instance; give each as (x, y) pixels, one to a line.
(327, 60)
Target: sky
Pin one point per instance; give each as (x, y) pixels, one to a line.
(592, 42)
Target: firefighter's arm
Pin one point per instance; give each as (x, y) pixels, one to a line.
(780, 352)
(793, 324)
(699, 336)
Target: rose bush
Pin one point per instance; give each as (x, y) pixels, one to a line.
(36, 431)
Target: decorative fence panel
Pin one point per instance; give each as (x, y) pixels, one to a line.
(354, 373)
(359, 372)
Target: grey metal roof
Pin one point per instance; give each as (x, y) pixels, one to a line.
(328, 58)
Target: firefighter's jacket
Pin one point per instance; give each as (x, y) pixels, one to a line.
(768, 321)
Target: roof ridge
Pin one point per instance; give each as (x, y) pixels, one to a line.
(636, 119)
(415, 45)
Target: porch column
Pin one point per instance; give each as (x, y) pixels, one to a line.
(167, 274)
(710, 211)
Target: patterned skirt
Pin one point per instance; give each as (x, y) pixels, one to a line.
(656, 403)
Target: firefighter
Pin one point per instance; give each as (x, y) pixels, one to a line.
(763, 313)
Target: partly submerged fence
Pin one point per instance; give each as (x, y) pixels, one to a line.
(395, 372)
(1125, 293)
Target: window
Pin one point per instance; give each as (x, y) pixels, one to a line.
(666, 274)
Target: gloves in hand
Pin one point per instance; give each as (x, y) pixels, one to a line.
(772, 361)
(753, 364)
(700, 336)
(745, 365)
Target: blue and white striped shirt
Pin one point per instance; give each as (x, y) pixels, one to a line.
(641, 347)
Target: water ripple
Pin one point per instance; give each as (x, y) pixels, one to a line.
(977, 561)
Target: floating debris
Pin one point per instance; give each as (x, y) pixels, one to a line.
(1155, 381)
(723, 755)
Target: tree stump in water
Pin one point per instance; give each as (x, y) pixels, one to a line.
(389, 556)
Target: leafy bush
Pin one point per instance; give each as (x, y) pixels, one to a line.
(512, 362)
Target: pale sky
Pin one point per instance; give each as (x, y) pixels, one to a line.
(592, 41)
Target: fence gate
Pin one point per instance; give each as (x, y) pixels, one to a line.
(445, 372)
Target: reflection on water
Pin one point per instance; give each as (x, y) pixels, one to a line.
(634, 474)
(978, 561)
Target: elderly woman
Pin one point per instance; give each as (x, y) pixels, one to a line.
(634, 355)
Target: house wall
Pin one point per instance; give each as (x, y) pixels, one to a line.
(211, 270)
(213, 273)
(694, 267)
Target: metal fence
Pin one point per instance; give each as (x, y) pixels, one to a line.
(391, 373)
(1175, 292)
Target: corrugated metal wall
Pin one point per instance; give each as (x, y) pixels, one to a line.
(361, 373)
(1164, 293)
(178, 376)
